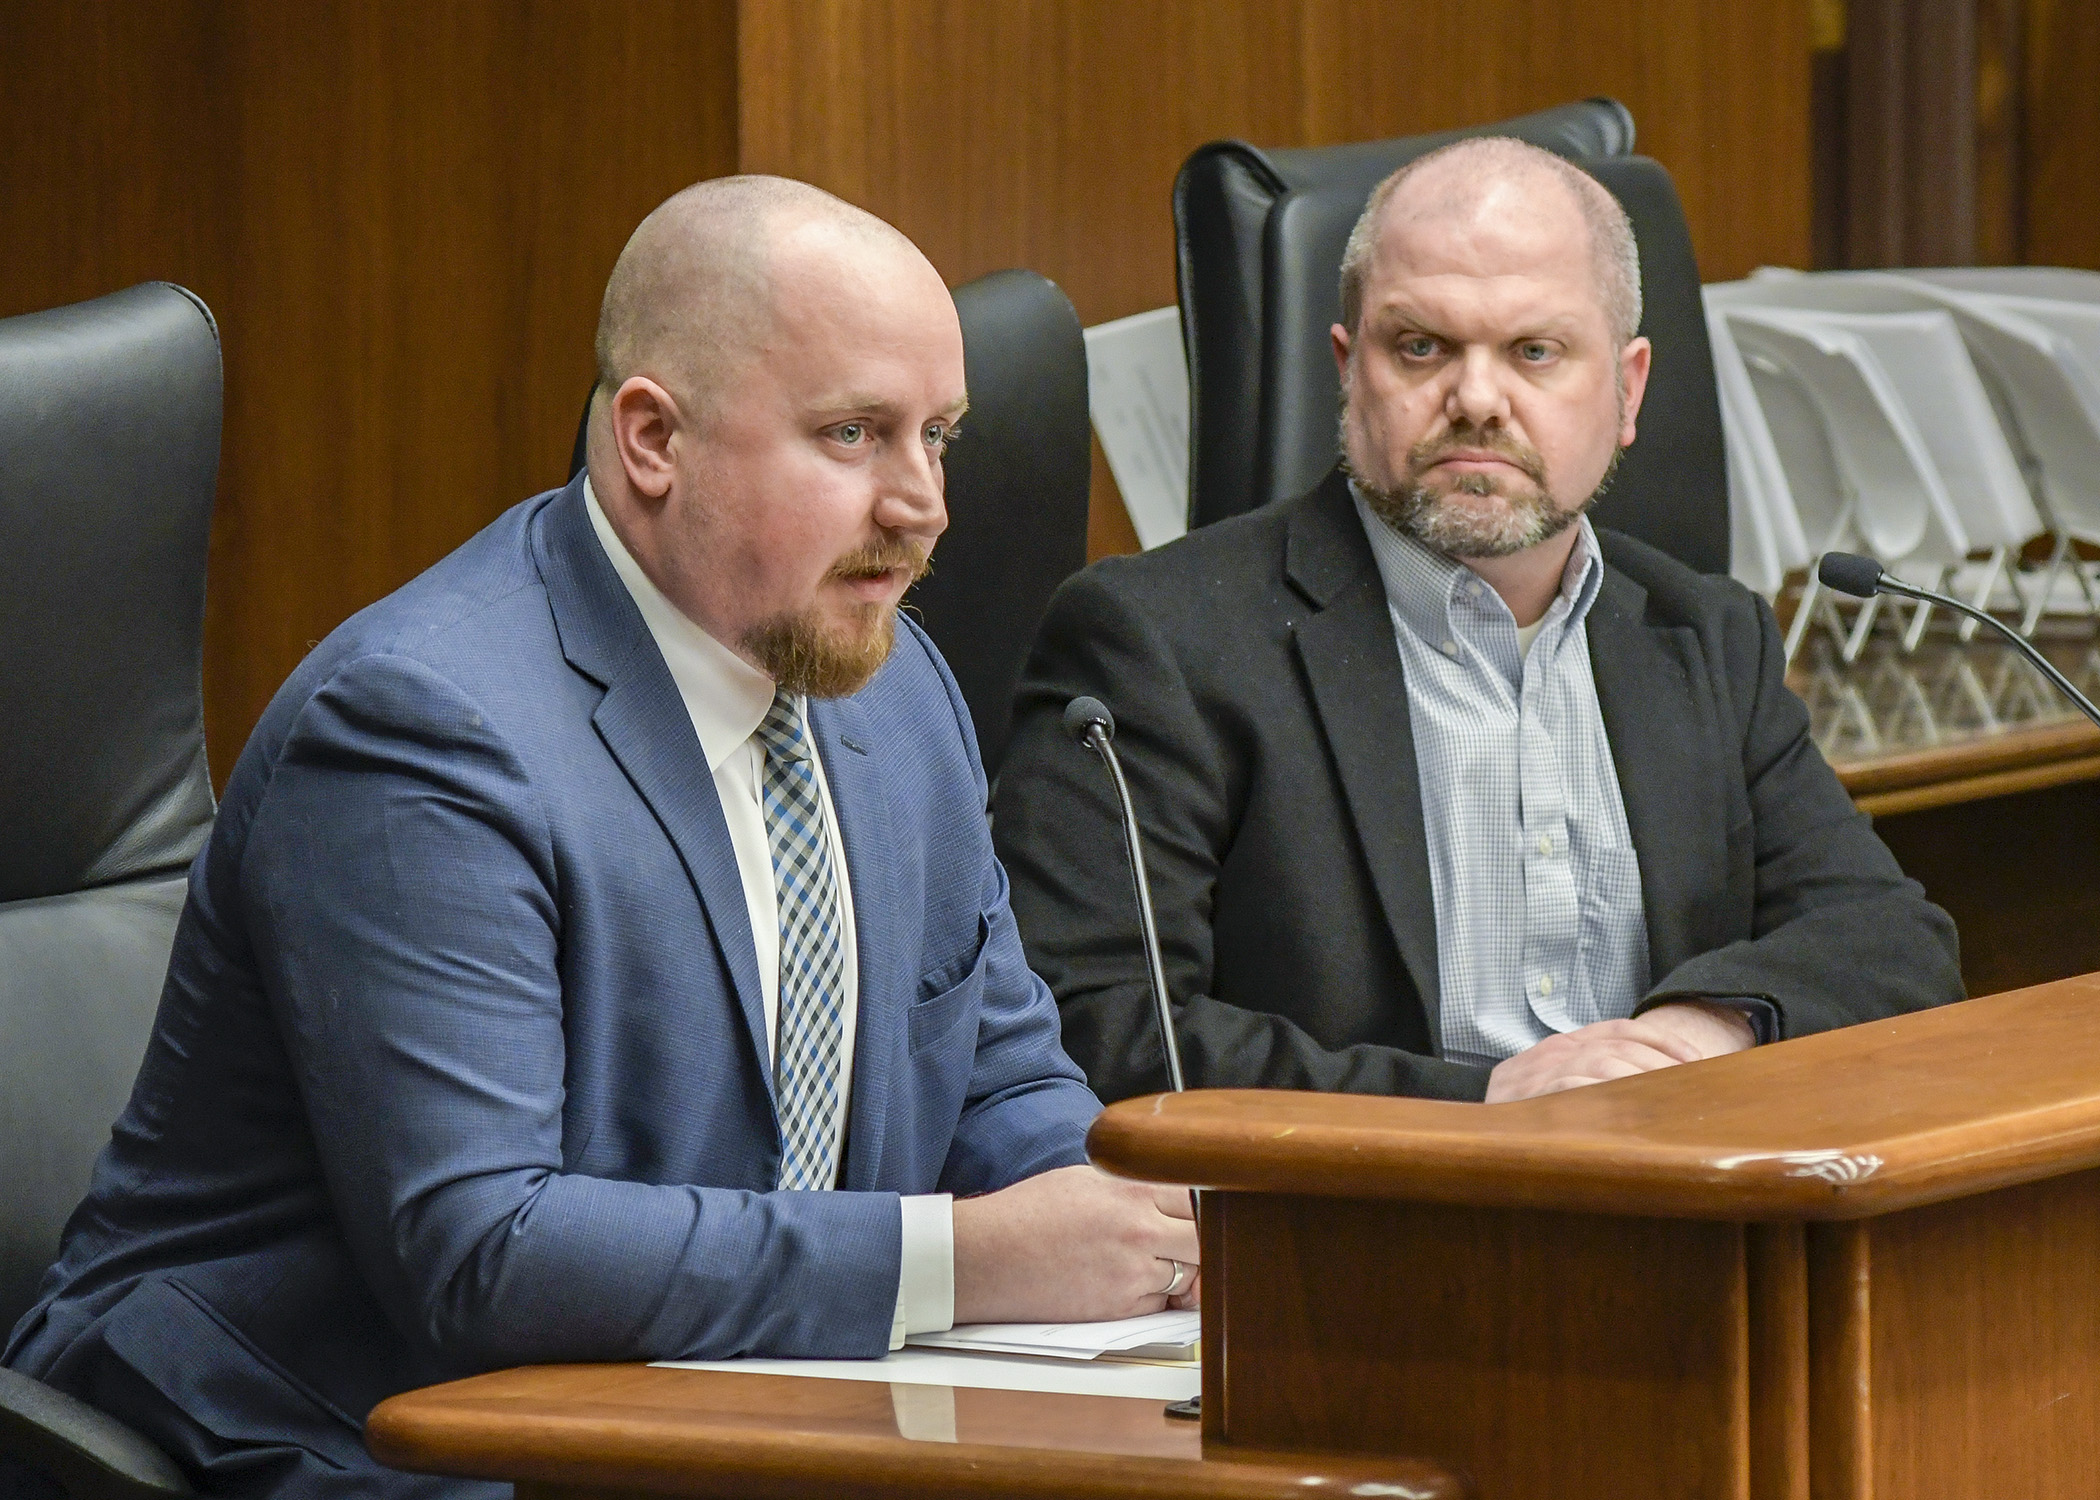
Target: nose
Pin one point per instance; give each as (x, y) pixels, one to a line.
(913, 498)
(1477, 396)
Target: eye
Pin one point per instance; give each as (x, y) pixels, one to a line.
(1417, 346)
(1534, 351)
(851, 433)
(939, 435)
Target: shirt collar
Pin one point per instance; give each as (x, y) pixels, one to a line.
(726, 697)
(1421, 583)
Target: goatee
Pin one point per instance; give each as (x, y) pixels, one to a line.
(805, 654)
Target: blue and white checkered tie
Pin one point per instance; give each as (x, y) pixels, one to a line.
(812, 954)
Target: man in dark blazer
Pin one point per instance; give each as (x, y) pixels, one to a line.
(1446, 792)
(600, 953)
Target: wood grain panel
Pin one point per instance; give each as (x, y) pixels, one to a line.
(1543, 1354)
(2013, 872)
(402, 215)
(2060, 147)
(1046, 133)
(1986, 1345)
(1841, 1370)
(1776, 1263)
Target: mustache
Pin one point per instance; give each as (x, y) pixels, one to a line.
(885, 556)
(1426, 454)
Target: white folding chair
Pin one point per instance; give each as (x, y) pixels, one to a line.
(1898, 503)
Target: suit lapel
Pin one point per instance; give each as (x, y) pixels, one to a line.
(1360, 696)
(860, 801)
(1662, 748)
(644, 724)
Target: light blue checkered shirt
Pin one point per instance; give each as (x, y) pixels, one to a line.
(1539, 921)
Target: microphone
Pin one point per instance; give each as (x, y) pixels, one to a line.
(1088, 721)
(1862, 578)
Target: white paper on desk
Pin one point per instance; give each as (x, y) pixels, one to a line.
(1138, 394)
(1158, 1336)
(987, 1372)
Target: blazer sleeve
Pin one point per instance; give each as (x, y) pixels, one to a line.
(1839, 934)
(1060, 837)
(403, 897)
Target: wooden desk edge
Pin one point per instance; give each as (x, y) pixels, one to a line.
(436, 1431)
(1984, 1095)
(1988, 765)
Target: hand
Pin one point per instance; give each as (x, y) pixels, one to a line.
(1715, 1030)
(1591, 1054)
(1071, 1245)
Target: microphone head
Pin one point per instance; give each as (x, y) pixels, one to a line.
(1082, 714)
(1849, 573)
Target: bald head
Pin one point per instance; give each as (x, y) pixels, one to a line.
(692, 297)
(1496, 180)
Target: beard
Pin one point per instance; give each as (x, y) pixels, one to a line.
(803, 652)
(1476, 515)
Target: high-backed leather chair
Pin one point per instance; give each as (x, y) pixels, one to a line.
(1018, 476)
(109, 454)
(1260, 236)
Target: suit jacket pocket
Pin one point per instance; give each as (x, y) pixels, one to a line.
(934, 1020)
(187, 1350)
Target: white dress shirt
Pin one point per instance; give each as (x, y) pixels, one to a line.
(727, 699)
(1539, 919)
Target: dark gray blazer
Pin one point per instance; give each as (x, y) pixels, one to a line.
(1263, 721)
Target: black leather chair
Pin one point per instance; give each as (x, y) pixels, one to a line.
(109, 453)
(1260, 237)
(1017, 491)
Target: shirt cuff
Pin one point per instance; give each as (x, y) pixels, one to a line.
(926, 1274)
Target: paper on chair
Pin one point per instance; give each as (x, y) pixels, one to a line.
(1138, 394)
(1155, 1337)
(990, 1372)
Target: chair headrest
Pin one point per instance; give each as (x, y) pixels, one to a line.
(109, 457)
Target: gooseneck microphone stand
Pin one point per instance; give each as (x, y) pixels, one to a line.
(1089, 721)
(1863, 578)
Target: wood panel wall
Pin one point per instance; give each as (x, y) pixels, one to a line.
(1047, 132)
(402, 214)
(403, 210)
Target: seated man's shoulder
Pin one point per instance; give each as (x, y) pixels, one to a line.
(1216, 577)
(474, 629)
(1676, 594)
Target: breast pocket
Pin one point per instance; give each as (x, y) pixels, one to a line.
(942, 1015)
(1611, 946)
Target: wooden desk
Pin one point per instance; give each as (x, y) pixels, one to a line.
(1863, 1266)
(598, 1431)
(1984, 783)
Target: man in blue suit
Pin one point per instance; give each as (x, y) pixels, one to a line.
(600, 953)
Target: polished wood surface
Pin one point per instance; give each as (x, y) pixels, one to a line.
(1584, 1357)
(2060, 135)
(1866, 1120)
(579, 1430)
(402, 215)
(1776, 1339)
(1987, 765)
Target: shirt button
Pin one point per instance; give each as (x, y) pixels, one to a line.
(1545, 845)
(1545, 984)
(1449, 648)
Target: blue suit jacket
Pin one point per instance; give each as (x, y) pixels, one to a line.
(461, 1061)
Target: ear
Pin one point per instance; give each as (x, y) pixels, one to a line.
(647, 424)
(1634, 361)
(1339, 337)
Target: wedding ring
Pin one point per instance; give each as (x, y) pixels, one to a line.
(1180, 1279)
